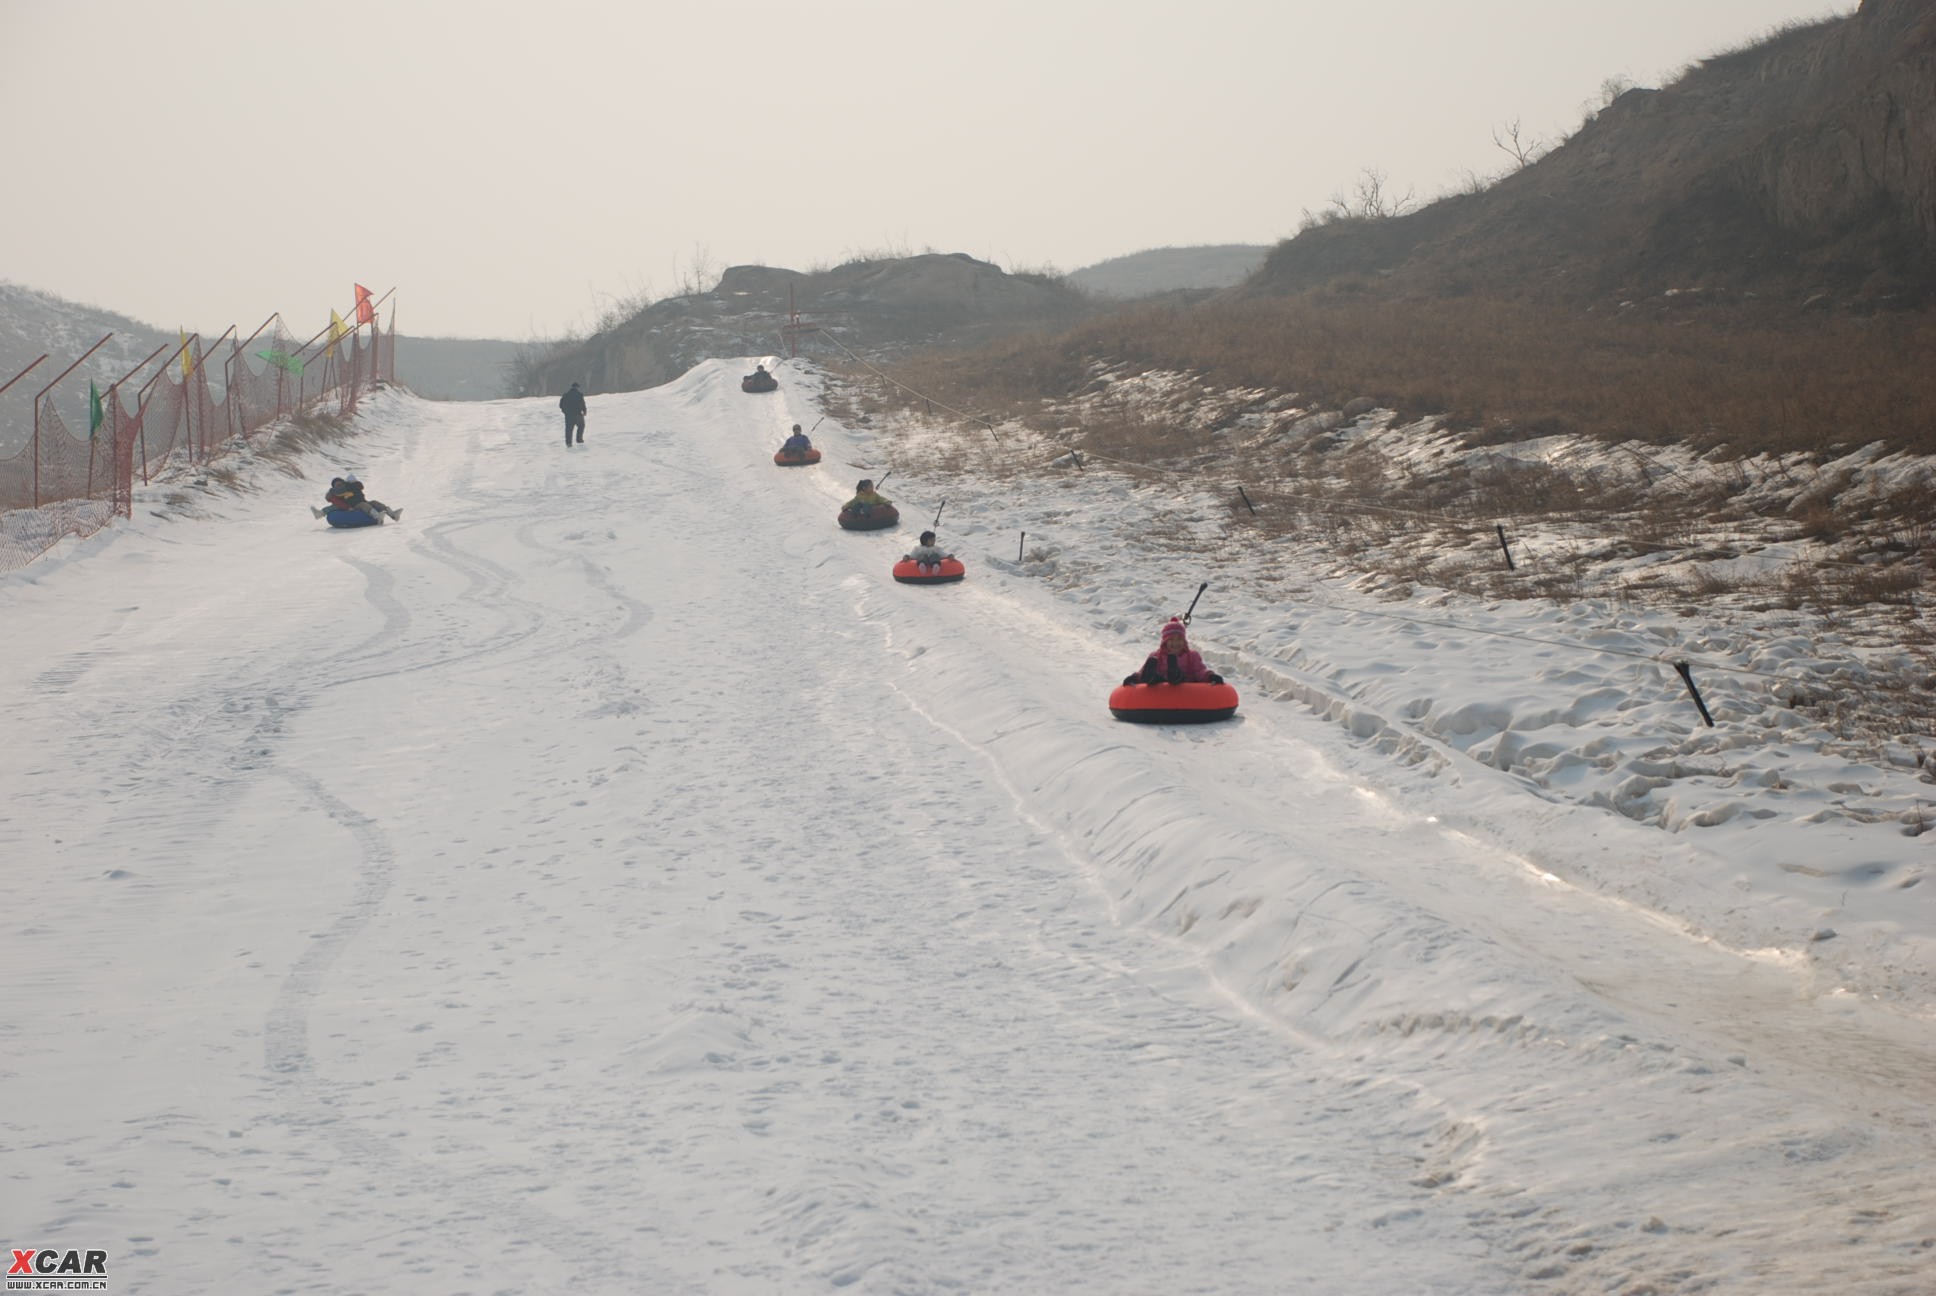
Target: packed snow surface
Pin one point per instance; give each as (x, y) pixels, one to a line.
(608, 879)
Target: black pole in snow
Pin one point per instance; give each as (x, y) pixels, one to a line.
(1503, 549)
(1018, 546)
(1247, 503)
(1687, 678)
(936, 524)
(1193, 602)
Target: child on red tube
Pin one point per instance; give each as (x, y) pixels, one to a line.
(1174, 661)
(927, 555)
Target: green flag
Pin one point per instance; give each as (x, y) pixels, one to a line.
(282, 360)
(94, 414)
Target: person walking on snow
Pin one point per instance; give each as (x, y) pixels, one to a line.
(573, 404)
(1174, 661)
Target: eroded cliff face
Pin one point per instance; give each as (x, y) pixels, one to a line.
(1799, 168)
(1857, 154)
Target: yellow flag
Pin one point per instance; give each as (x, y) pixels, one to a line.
(336, 330)
(187, 360)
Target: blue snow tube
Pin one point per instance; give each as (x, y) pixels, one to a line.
(351, 518)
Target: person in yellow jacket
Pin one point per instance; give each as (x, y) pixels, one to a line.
(866, 499)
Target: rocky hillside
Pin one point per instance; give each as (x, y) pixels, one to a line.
(35, 323)
(1801, 170)
(871, 307)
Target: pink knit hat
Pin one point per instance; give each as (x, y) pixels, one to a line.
(1174, 630)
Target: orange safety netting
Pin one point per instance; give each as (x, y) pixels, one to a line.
(69, 482)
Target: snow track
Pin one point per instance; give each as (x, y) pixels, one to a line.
(609, 880)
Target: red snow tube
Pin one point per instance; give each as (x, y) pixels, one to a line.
(795, 458)
(874, 519)
(1173, 703)
(910, 573)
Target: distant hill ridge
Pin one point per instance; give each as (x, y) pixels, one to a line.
(35, 323)
(1171, 269)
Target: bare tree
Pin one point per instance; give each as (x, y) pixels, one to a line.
(699, 277)
(1370, 200)
(1524, 150)
(1374, 203)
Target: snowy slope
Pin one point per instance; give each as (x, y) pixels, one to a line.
(608, 880)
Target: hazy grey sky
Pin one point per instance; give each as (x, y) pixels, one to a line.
(513, 169)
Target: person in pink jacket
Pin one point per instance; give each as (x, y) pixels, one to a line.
(1174, 661)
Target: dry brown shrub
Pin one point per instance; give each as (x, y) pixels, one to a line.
(1364, 473)
(1908, 514)
(1755, 380)
(1711, 582)
(1664, 521)
(285, 442)
(1558, 584)
(1137, 440)
(1732, 383)
(1884, 583)
(1512, 488)
(1807, 587)
(1818, 522)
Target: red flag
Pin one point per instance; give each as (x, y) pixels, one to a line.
(365, 312)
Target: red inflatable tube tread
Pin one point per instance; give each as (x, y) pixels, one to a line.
(910, 573)
(1173, 703)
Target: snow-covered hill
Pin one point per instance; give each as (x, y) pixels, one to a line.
(609, 879)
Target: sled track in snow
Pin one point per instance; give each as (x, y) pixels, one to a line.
(1486, 925)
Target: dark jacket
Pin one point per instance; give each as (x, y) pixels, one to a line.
(572, 402)
(1186, 667)
(349, 495)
